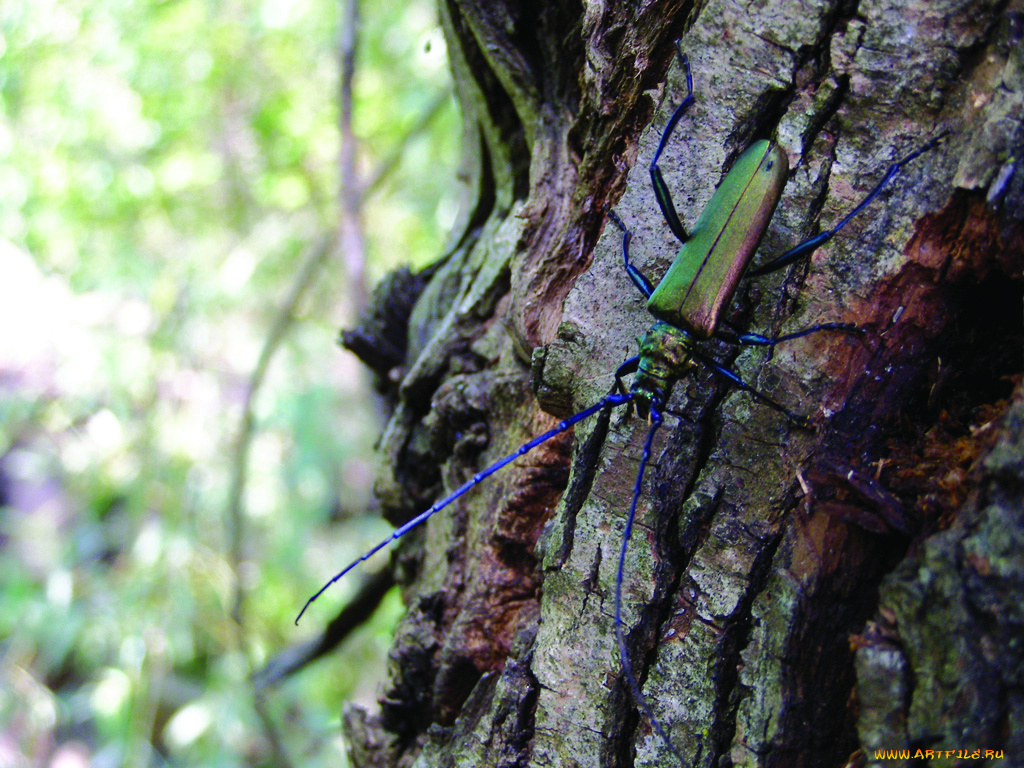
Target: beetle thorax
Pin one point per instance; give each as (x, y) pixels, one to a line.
(664, 358)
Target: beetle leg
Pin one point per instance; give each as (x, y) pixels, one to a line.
(757, 340)
(661, 192)
(639, 278)
(628, 367)
(812, 244)
(735, 379)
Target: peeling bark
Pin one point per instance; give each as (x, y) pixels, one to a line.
(781, 584)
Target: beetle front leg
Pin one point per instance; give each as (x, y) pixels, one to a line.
(629, 366)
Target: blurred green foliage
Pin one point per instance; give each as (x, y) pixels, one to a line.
(164, 169)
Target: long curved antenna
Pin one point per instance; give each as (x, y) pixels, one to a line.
(627, 667)
(608, 401)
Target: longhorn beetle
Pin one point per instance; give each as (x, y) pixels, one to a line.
(687, 305)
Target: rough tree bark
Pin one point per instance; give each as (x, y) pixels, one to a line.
(793, 597)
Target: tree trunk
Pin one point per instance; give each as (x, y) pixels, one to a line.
(792, 596)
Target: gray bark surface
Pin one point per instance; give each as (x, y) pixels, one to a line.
(793, 597)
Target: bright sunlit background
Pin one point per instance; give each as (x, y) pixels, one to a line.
(165, 167)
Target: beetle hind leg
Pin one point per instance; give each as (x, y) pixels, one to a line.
(661, 192)
(734, 378)
(757, 340)
(812, 244)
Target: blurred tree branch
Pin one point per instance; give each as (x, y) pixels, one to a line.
(348, 241)
(350, 231)
(354, 614)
